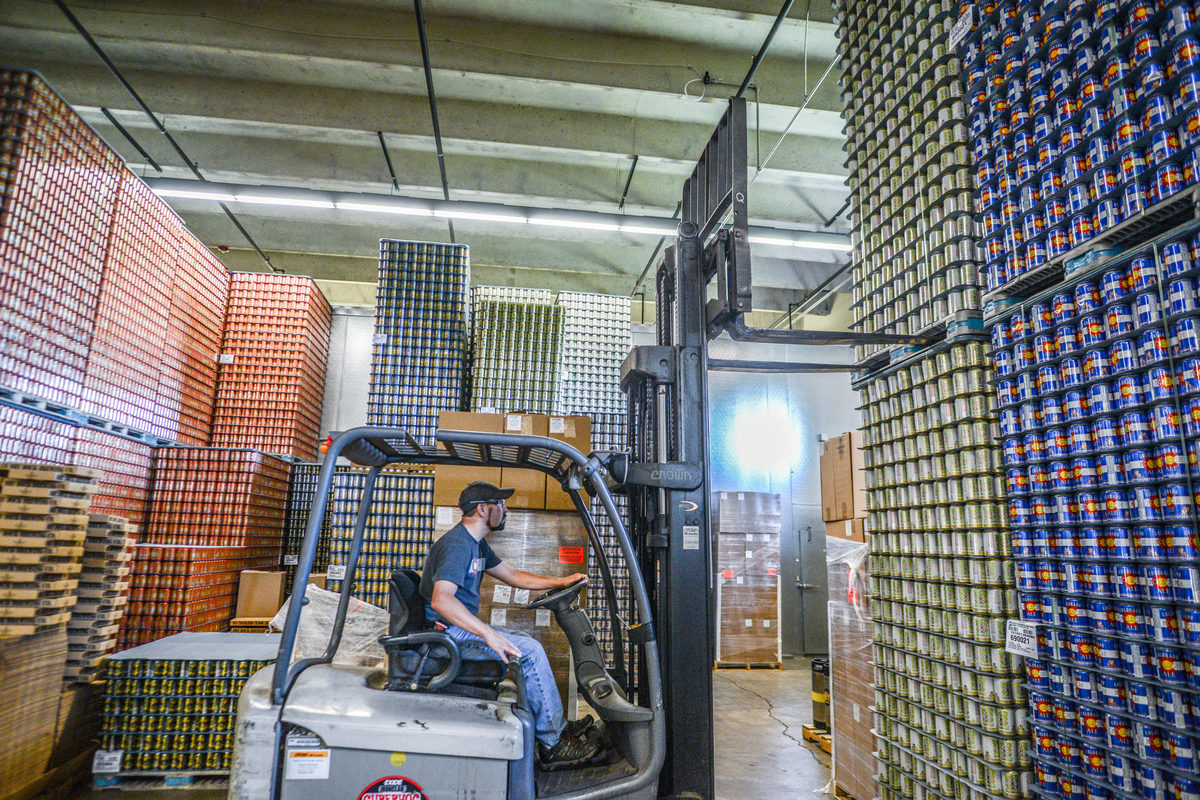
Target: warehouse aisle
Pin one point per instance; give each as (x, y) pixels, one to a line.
(760, 754)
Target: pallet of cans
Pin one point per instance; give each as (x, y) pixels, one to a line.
(516, 358)
(170, 706)
(596, 338)
(58, 190)
(419, 349)
(302, 489)
(909, 163)
(123, 366)
(1099, 393)
(101, 596)
(398, 534)
(221, 497)
(1082, 115)
(272, 370)
(124, 467)
(43, 523)
(949, 714)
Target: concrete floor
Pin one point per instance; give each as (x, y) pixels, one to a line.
(760, 753)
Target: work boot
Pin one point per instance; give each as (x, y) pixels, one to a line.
(579, 727)
(571, 751)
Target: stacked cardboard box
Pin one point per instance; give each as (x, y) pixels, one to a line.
(542, 542)
(747, 555)
(843, 487)
(102, 594)
(31, 671)
(534, 490)
(852, 686)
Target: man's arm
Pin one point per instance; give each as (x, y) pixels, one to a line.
(531, 580)
(453, 611)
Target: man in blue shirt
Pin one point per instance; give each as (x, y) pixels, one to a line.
(450, 584)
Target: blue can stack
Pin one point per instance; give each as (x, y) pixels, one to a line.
(1084, 114)
(419, 349)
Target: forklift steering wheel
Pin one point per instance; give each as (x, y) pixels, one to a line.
(559, 597)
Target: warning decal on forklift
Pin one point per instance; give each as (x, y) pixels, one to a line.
(394, 788)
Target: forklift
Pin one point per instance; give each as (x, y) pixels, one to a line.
(437, 723)
(405, 735)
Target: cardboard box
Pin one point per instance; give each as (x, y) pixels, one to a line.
(849, 529)
(748, 623)
(448, 481)
(843, 480)
(851, 679)
(577, 432)
(260, 593)
(530, 484)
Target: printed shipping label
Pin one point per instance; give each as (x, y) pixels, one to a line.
(558, 425)
(336, 572)
(520, 596)
(499, 617)
(513, 423)
(1021, 638)
(107, 762)
(541, 618)
(501, 594)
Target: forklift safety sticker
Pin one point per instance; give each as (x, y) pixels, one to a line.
(307, 765)
(394, 788)
(570, 555)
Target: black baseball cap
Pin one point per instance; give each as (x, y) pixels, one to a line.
(477, 492)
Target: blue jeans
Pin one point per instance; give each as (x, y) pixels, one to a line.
(540, 688)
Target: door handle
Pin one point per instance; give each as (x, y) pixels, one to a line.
(802, 586)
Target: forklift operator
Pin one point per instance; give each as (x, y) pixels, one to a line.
(450, 585)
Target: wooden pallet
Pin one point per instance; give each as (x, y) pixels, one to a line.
(841, 794)
(818, 737)
(748, 665)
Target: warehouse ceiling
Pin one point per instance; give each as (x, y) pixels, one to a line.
(541, 104)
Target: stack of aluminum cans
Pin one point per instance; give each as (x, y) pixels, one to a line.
(301, 491)
(1098, 382)
(596, 339)
(516, 352)
(170, 706)
(398, 534)
(420, 344)
(909, 163)
(272, 378)
(949, 714)
(1082, 115)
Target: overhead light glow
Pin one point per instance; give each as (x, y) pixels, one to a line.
(582, 225)
(812, 244)
(268, 200)
(381, 208)
(648, 229)
(842, 247)
(186, 195)
(771, 240)
(477, 215)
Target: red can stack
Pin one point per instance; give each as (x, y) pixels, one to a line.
(272, 373)
(58, 187)
(213, 513)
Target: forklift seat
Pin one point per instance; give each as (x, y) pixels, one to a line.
(480, 671)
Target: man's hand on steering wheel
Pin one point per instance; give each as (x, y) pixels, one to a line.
(571, 580)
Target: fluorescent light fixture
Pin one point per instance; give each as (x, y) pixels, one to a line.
(648, 229)
(381, 208)
(575, 223)
(187, 195)
(268, 200)
(812, 244)
(771, 240)
(477, 215)
(843, 247)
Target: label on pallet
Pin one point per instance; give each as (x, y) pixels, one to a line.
(1021, 638)
(225, 358)
(107, 762)
(291, 560)
(962, 27)
(335, 572)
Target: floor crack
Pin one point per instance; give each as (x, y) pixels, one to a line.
(771, 713)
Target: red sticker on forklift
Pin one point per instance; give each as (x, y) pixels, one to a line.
(394, 788)
(570, 555)
(727, 574)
